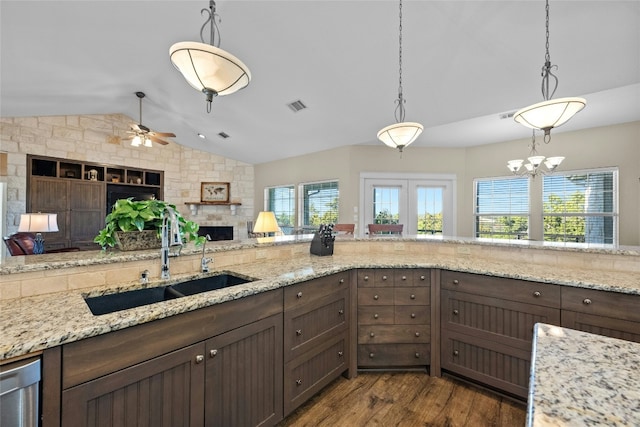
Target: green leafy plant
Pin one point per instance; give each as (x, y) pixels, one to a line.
(130, 215)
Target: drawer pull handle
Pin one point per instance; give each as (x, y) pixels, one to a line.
(375, 316)
(299, 332)
(213, 353)
(371, 355)
(384, 277)
(417, 334)
(586, 301)
(537, 294)
(340, 312)
(299, 294)
(455, 352)
(340, 354)
(422, 277)
(413, 315)
(417, 355)
(366, 278)
(455, 312)
(412, 296)
(372, 334)
(341, 281)
(199, 358)
(456, 281)
(404, 277)
(298, 382)
(375, 297)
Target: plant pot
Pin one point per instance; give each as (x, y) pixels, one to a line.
(138, 240)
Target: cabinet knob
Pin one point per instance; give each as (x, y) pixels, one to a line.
(340, 354)
(375, 316)
(586, 301)
(341, 281)
(456, 281)
(340, 312)
(412, 296)
(371, 355)
(298, 382)
(375, 297)
(384, 277)
(366, 278)
(455, 312)
(299, 294)
(422, 277)
(537, 294)
(404, 277)
(417, 355)
(199, 358)
(455, 352)
(417, 334)
(371, 334)
(213, 353)
(413, 315)
(299, 332)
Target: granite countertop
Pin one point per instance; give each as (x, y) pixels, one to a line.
(582, 379)
(32, 324)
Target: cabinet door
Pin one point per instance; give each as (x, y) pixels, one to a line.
(165, 391)
(608, 326)
(51, 195)
(86, 215)
(244, 375)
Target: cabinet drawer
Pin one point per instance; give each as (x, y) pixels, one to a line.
(607, 326)
(494, 319)
(375, 315)
(412, 315)
(509, 289)
(411, 296)
(602, 303)
(390, 334)
(375, 296)
(306, 292)
(408, 277)
(386, 277)
(306, 326)
(375, 277)
(307, 374)
(390, 355)
(496, 365)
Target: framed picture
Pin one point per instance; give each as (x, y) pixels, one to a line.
(214, 192)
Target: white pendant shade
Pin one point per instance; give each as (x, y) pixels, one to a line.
(206, 67)
(549, 114)
(400, 135)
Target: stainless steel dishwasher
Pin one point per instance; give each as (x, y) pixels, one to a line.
(19, 392)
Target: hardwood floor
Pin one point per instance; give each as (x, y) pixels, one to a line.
(406, 399)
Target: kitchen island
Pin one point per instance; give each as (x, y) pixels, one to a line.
(580, 379)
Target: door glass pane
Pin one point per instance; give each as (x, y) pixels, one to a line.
(429, 210)
(386, 205)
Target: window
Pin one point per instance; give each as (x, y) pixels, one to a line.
(581, 207)
(385, 205)
(319, 203)
(281, 200)
(502, 208)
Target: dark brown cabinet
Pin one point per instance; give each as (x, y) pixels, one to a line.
(316, 336)
(487, 327)
(394, 307)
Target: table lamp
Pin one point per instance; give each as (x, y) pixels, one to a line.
(38, 223)
(266, 223)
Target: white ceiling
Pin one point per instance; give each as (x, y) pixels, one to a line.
(464, 64)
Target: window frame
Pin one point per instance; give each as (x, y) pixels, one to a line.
(303, 214)
(477, 216)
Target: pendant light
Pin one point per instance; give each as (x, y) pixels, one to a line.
(536, 161)
(206, 67)
(401, 133)
(550, 113)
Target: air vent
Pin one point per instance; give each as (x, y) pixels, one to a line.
(507, 115)
(223, 135)
(296, 106)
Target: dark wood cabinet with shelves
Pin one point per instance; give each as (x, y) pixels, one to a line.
(394, 318)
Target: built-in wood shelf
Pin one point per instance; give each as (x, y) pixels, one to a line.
(194, 206)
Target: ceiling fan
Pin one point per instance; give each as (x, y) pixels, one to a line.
(142, 135)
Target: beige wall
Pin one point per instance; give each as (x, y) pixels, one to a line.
(91, 138)
(610, 146)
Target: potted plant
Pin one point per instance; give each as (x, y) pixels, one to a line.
(144, 217)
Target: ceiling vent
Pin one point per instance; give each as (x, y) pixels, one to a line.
(507, 115)
(223, 135)
(296, 106)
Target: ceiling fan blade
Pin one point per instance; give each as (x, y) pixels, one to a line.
(156, 139)
(167, 134)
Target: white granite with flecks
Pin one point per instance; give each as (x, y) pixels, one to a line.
(582, 379)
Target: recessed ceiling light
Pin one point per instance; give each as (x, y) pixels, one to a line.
(202, 135)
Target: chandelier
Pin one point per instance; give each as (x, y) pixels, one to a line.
(401, 133)
(550, 113)
(536, 161)
(206, 67)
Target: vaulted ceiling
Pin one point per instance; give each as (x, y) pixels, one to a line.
(465, 63)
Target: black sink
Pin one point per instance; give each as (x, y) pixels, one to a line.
(205, 284)
(125, 300)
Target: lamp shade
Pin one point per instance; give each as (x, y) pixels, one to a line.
(266, 223)
(38, 222)
(549, 114)
(209, 68)
(400, 135)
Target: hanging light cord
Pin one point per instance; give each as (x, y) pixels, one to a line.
(399, 113)
(546, 69)
(214, 27)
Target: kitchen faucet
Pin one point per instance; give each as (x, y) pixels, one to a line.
(170, 237)
(204, 262)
